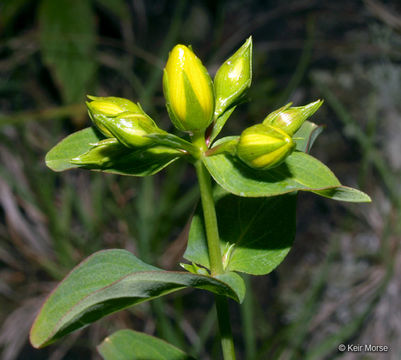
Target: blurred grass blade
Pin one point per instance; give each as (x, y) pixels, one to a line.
(133, 345)
(67, 38)
(112, 280)
(119, 8)
(9, 10)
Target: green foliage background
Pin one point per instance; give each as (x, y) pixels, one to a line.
(338, 284)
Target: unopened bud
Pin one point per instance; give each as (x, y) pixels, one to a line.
(131, 129)
(101, 108)
(264, 146)
(233, 78)
(188, 90)
(291, 119)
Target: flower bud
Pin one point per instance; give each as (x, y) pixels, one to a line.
(100, 154)
(105, 107)
(264, 147)
(233, 78)
(273, 115)
(188, 90)
(291, 119)
(130, 129)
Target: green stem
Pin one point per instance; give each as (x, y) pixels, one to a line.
(209, 214)
(226, 336)
(213, 242)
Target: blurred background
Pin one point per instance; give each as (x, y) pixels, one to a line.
(341, 281)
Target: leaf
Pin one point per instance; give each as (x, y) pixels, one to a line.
(132, 345)
(173, 141)
(220, 122)
(345, 193)
(115, 158)
(59, 157)
(256, 234)
(109, 281)
(299, 172)
(306, 136)
(68, 39)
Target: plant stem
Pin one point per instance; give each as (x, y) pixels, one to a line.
(226, 336)
(213, 242)
(209, 214)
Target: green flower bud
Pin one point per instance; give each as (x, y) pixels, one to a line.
(273, 115)
(102, 107)
(291, 119)
(264, 147)
(188, 90)
(130, 129)
(100, 154)
(233, 78)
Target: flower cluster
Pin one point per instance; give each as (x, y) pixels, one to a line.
(196, 103)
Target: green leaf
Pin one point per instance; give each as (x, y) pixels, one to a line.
(174, 141)
(59, 157)
(114, 158)
(109, 281)
(345, 193)
(306, 136)
(132, 345)
(256, 234)
(299, 172)
(68, 39)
